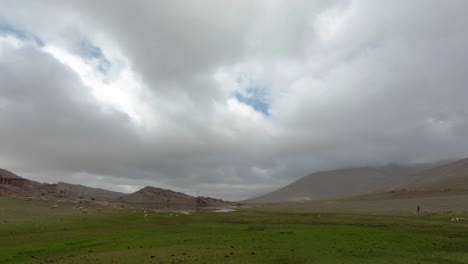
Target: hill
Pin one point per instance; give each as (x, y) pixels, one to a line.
(8, 174)
(60, 192)
(148, 197)
(12, 189)
(446, 180)
(451, 177)
(152, 197)
(338, 183)
(85, 191)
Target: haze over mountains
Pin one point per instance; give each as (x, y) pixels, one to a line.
(341, 182)
(98, 193)
(419, 178)
(452, 176)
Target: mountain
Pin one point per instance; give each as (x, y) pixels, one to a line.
(8, 174)
(148, 197)
(152, 197)
(60, 192)
(17, 185)
(338, 183)
(85, 191)
(451, 176)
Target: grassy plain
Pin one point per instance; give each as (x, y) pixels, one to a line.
(33, 232)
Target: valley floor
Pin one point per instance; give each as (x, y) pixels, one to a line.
(34, 232)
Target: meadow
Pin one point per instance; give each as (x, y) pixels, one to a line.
(33, 232)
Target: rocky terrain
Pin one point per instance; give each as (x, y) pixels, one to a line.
(148, 197)
(152, 197)
(86, 191)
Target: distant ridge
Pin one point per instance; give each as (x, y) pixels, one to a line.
(96, 193)
(148, 197)
(451, 176)
(8, 174)
(163, 198)
(338, 183)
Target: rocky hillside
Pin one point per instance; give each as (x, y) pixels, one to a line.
(61, 192)
(8, 174)
(148, 197)
(85, 191)
(10, 190)
(152, 197)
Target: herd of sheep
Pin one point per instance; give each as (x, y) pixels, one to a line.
(146, 213)
(449, 212)
(80, 208)
(84, 211)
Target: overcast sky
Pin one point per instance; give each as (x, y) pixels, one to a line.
(229, 98)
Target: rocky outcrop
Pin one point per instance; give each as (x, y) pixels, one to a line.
(157, 198)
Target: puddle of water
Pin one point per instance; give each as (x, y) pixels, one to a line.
(212, 209)
(224, 210)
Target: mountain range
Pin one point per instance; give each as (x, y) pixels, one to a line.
(344, 182)
(148, 197)
(391, 180)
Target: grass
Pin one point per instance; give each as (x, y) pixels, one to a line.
(32, 232)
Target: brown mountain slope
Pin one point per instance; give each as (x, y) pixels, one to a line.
(61, 192)
(449, 176)
(85, 191)
(12, 190)
(337, 183)
(8, 174)
(152, 197)
(153, 194)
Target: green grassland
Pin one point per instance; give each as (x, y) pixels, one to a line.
(33, 232)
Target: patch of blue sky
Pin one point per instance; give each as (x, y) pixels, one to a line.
(89, 51)
(254, 96)
(7, 29)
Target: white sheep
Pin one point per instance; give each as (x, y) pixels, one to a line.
(84, 211)
(55, 206)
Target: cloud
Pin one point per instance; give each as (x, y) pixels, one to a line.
(227, 98)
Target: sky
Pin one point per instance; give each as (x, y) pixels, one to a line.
(228, 98)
